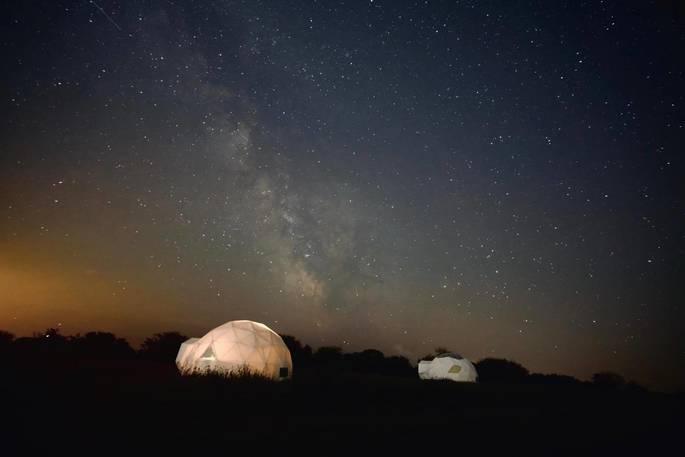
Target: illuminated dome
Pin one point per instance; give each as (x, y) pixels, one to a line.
(234, 346)
(449, 366)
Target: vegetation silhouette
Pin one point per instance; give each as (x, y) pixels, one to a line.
(101, 345)
(328, 356)
(301, 354)
(608, 380)
(436, 352)
(96, 382)
(162, 346)
(6, 339)
(501, 371)
(242, 373)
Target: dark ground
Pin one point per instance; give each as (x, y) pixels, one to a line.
(130, 407)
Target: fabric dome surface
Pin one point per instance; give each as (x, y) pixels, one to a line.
(445, 366)
(234, 346)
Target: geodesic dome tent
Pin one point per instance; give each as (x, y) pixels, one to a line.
(448, 366)
(234, 346)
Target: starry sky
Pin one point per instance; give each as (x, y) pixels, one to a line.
(500, 178)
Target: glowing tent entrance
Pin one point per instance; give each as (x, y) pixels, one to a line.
(234, 346)
(448, 366)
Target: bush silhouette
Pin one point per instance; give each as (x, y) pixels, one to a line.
(101, 345)
(608, 380)
(437, 351)
(49, 343)
(301, 355)
(327, 355)
(366, 361)
(162, 346)
(553, 380)
(6, 339)
(500, 371)
(398, 365)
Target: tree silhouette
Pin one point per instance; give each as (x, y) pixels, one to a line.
(553, 380)
(6, 339)
(398, 365)
(500, 371)
(50, 342)
(301, 355)
(101, 345)
(608, 380)
(162, 346)
(327, 355)
(51, 334)
(367, 361)
(438, 350)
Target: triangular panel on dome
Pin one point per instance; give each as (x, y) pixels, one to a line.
(256, 361)
(208, 354)
(264, 337)
(269, 353)
(245, 335)
(455, 369)
(200, 347)
(241, 351)
(224, 348)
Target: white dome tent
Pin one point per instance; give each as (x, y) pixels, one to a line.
(234, 346)
(449, 366)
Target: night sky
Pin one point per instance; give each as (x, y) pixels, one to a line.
(501, 178)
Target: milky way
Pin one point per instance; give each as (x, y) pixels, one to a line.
(501, 178)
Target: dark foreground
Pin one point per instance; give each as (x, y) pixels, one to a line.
(131, 407)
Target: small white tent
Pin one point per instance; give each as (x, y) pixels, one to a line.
(236, 345)
(448, 366)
